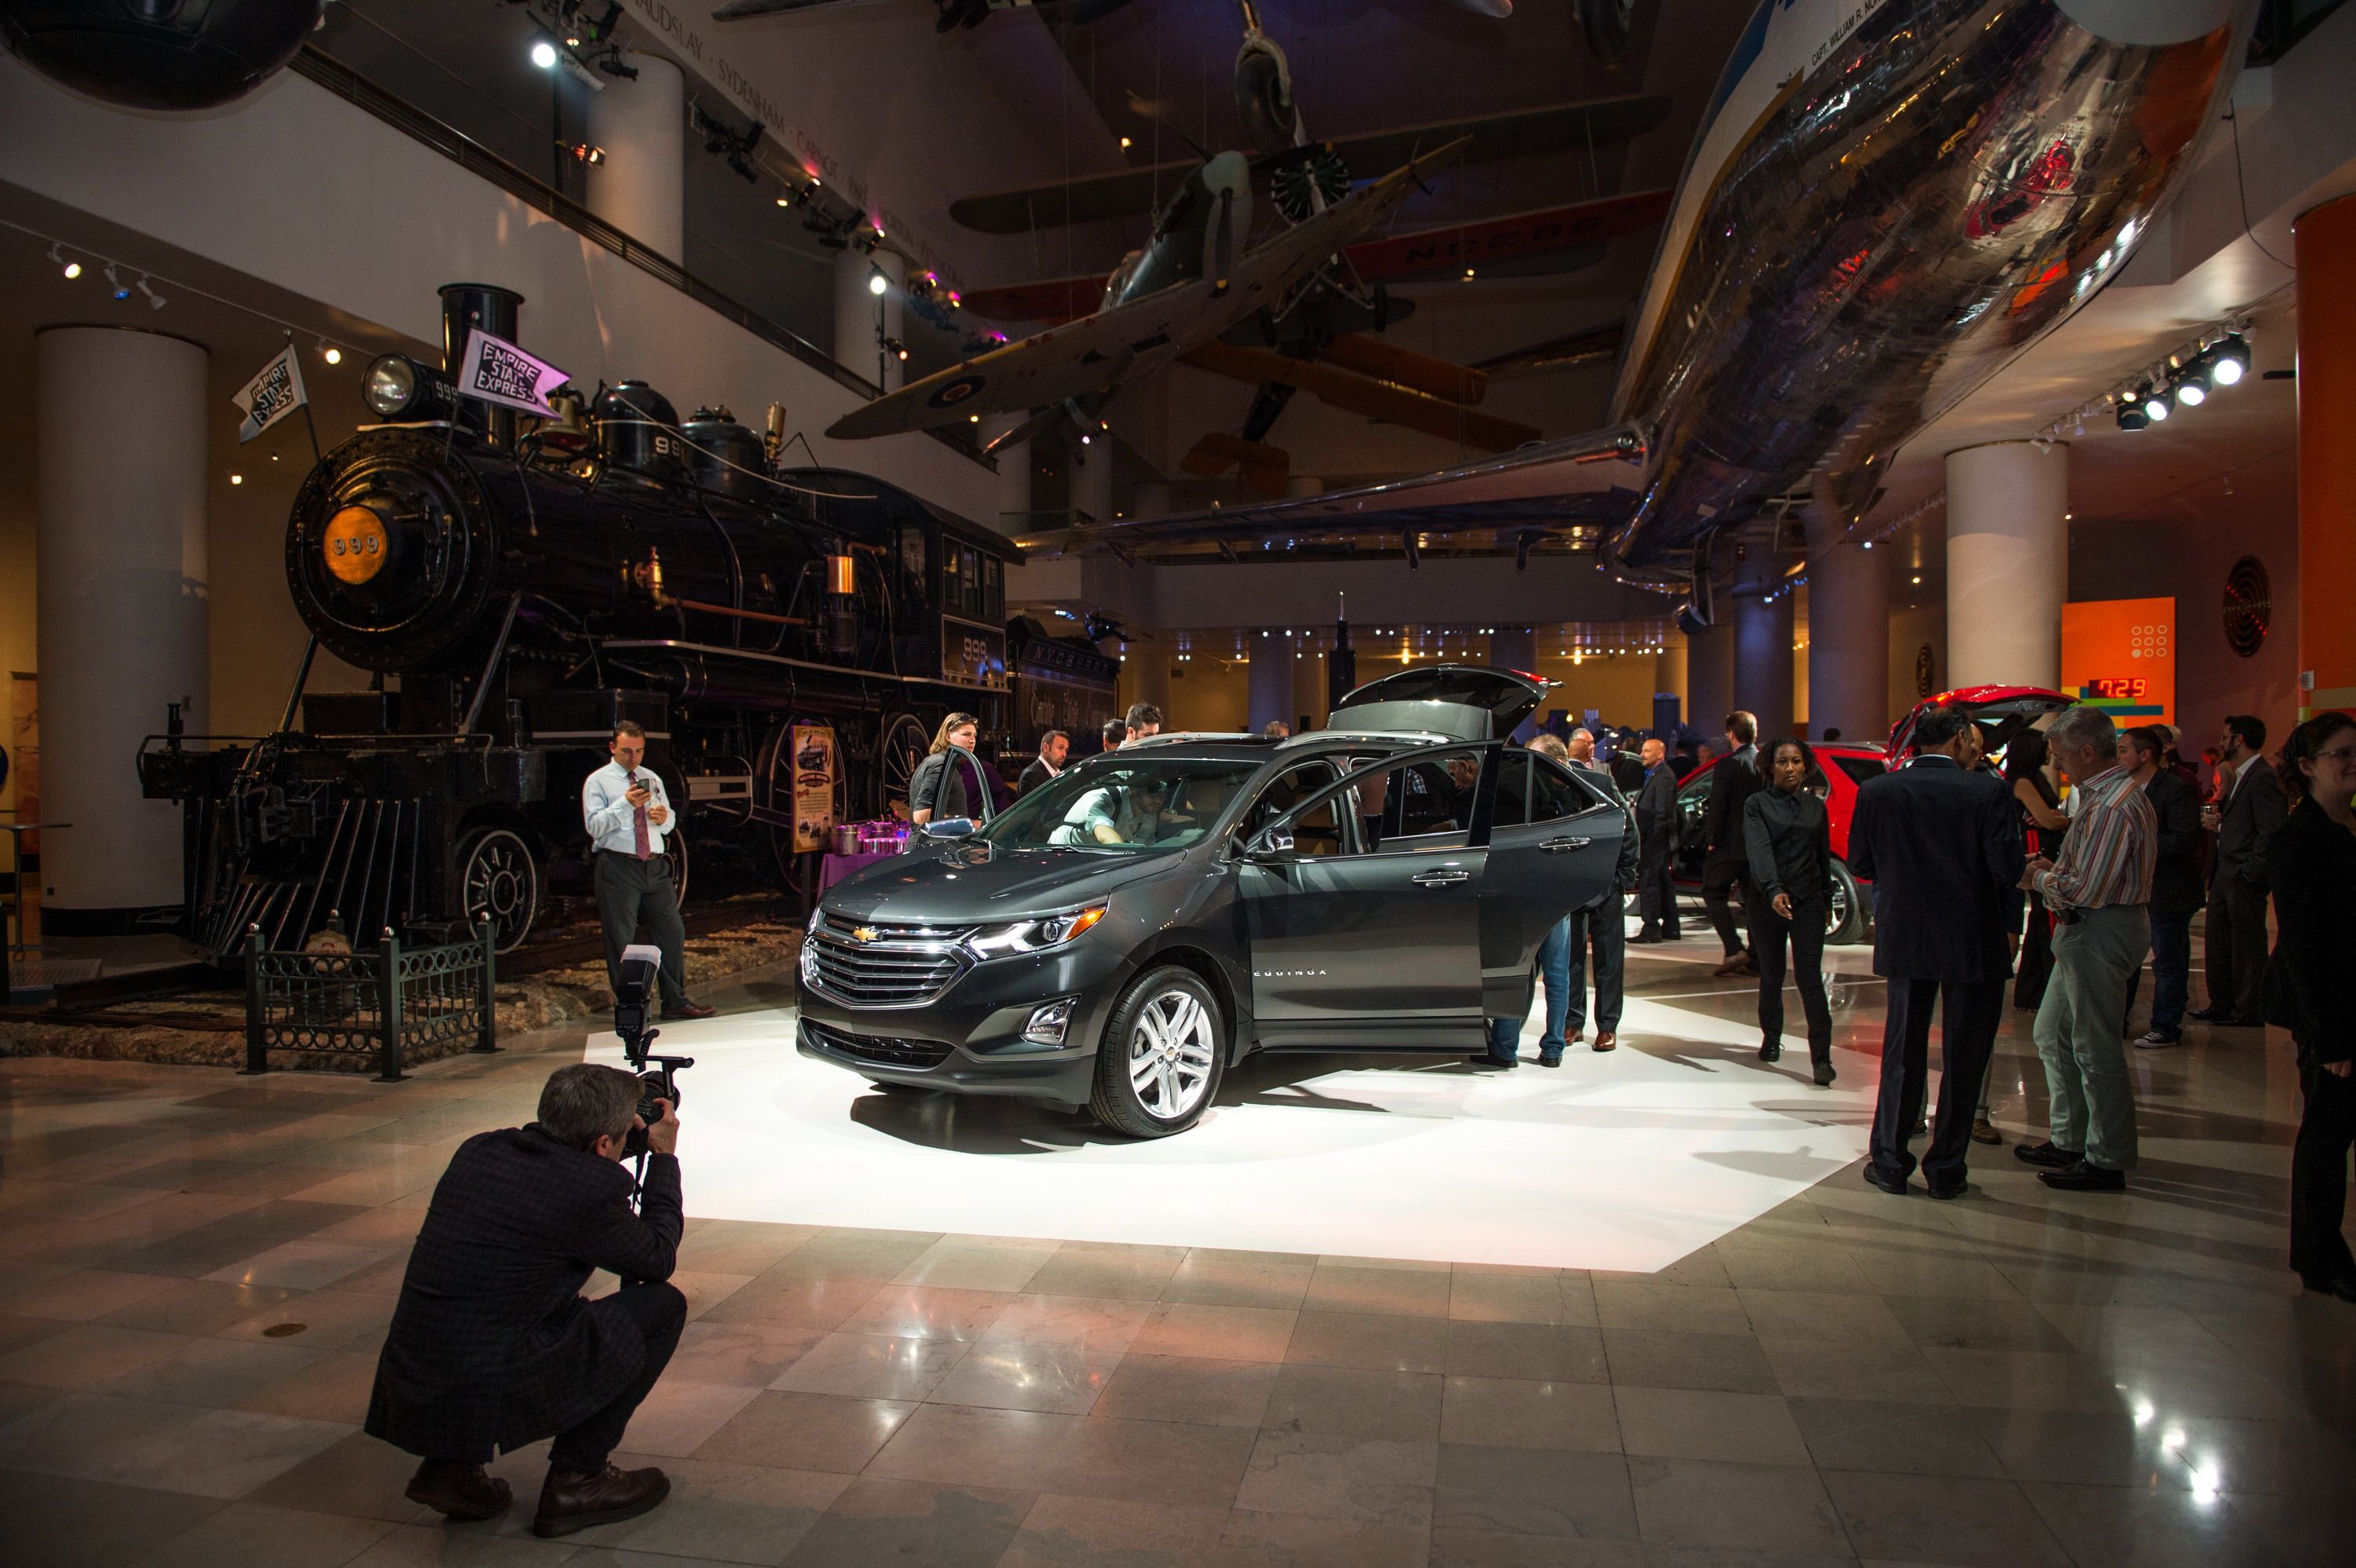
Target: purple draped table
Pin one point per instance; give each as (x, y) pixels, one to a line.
(833, 868)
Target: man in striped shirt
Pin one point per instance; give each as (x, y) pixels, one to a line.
(2097, 889)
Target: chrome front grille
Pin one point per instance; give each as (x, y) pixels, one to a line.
(881, 964)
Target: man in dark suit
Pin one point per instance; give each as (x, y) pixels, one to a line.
(2175, 881)
(1941, 844)
(492, 1346)
(1656, 843)
(1054, 747)
(2233, 941)
(1601, 927)
(1731, 783)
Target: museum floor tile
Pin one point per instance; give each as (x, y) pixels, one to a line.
(195, 1270)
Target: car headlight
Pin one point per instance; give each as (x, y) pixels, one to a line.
(1035, 935)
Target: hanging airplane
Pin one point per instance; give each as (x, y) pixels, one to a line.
(1887, 200)
(956, 14)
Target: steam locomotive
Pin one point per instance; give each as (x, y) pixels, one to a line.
(789, 638)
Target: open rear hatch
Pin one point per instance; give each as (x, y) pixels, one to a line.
(2006, 710)
(1463, 702)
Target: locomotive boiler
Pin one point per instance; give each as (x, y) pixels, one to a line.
(788, 637)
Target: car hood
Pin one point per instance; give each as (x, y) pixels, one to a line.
(981, 883)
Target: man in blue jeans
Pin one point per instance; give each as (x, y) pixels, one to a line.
(2176, 891)
(1554, 973)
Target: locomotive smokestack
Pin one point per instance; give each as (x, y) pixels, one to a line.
(497, 311)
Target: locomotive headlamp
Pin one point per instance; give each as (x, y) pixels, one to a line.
(398, 388)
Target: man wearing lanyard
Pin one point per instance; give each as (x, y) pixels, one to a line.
(2098, 890)
(629, 815)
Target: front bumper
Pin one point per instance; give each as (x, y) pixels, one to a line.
(969, 1038)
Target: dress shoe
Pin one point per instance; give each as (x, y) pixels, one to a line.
(2152, 1040)
(459, 1490)
(2048, 1155)
(1549, 1058)
(1984, 1132)
(1646, 938)
(2084, 1177)
(1893, 1184)
(2341, 1285)
(1770, 1051)
(689, 1011)
(1824, 1075)
(570, 1500)
(1947, 1191)
(2211, 1015)
(1605, 1040)
(1482, 1058)
(1733, 966)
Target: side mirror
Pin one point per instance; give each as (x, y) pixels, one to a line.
(1273, 845)
(949, 827)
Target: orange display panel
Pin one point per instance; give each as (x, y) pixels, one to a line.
(2120, 656)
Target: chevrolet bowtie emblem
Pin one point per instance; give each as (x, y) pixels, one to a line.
(866, 934)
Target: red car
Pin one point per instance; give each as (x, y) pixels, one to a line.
(2003, 711)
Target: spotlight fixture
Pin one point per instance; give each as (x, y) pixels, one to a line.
(2131, 416)
(70, 269)
(610, 62)
(121, 290)
(877, 283)
(2154, 405)
(2229, 361)
(237, 478)
(2190, 385)
(331, 353)
(585, 153)
(543, 54)
(155, 300)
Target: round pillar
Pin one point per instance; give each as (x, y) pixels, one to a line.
(1145, 677)
(642, 125)
(2008, 562)
(1309, 705)
(2326, 238)
(1517, 647)
(1849, 642)
(1270, 694)
(864, 319)
(1763, 661)
(121, 586)
(1092, 478)
(1709, 681)
(1013, 474)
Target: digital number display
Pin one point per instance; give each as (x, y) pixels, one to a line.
(2122, 688)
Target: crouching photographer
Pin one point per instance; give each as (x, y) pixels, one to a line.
(492, 1347)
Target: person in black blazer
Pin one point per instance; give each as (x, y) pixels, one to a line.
(2233, 938)
(1731, 783)
(1940, 843)
(2175, 883)
(492, 1347)
(1054, 747)
(2312, 866)
(1656, 844)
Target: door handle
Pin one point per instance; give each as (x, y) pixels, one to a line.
(1565, 845)
(1440, 879)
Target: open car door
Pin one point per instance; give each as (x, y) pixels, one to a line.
(1364, 906)
(1554, 846)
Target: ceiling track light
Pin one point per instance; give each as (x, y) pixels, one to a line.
(2229, 361)
(155, 300)
(121, 290)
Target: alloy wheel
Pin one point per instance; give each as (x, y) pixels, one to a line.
(1170, 1055)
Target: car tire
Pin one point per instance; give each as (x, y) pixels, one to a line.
(1163, 1057)
(1845, 917)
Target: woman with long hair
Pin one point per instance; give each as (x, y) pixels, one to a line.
(2042, 825)
(1788, 837)
(939, 789)
(2311, 869)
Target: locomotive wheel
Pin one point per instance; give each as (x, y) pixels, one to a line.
(905, 741)
(675, 851)
(498, 875)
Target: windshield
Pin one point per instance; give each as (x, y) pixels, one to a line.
(1148, 801)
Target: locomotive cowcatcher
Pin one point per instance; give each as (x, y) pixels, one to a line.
(788, 638)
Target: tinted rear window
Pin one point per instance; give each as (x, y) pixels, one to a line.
(1860, 769)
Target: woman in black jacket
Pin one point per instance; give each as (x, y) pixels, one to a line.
(940, 789)
(2311, 868)
(1787, 839)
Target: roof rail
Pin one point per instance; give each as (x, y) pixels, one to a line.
(1168, 736)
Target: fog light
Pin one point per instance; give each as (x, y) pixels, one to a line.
(1049, 1023)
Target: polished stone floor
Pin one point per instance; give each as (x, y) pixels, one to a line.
(195, 1269)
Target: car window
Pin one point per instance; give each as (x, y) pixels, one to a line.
(1426, 803)
(1860, 769)
(1124, 804)
(1512, 807)
(1556, 791)
(1317, 831)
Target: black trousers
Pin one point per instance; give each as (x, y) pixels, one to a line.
(1717, 885)
(1804, 932)
(656, 1313)
(1601, 929)
(2319, 1174)
(2036, 965)
(1973, 1009)
(2234, 944)
(630, 890)
(1657, 892)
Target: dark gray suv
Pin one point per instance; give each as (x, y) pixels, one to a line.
(1121, 935)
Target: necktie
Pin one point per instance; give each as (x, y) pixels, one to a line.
(638, 827)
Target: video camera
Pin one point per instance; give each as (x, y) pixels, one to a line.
(640, 964)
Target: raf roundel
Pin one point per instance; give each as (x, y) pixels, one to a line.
(354, 544)
(956, 391)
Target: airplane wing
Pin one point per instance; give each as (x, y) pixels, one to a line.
(1592, 483)
(1126, 193)
(1092, 354)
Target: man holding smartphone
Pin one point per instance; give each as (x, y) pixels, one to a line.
(629, 818)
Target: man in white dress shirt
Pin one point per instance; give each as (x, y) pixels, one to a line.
(630, 816)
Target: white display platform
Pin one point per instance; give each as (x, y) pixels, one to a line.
(1628, 1160)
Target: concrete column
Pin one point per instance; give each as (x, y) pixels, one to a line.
(120, 455)
(1849, 642)
(863, 318)
(2326, 238)
(1669, 675)
(1270, 693)
(1763, 661)
(1014, 475)
(1145, 677)
(1092, 478)
(640, 189)
(2008, 563)
(1517, 647)
(1709, 679)
(1308, 686)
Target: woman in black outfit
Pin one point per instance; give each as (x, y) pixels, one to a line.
(2311, 868)
(1788, 886)
(941, 789)
(2042, 825)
